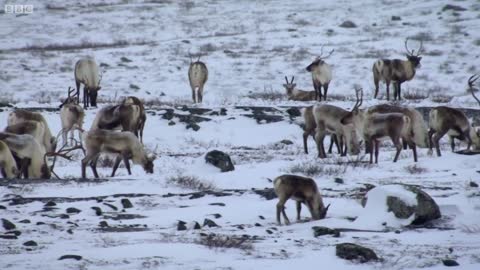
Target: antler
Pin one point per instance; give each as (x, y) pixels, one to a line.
(321, 53)
(63, 153)
(293, 78)
(286, 79)
(101, 76)
(412, 52)
(471, 84)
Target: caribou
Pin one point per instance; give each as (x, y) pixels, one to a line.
(197, 76)
(396, 71)
(71, 115)
(124, 117)
(87, 73)
(296, 94)
(375, 126)
(42, 131)
(8, 166)
(124, 144)
(132, 100)
(302, 190)
(309, 127)
(321, 75)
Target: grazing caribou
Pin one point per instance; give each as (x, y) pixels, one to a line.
(297, 94)
(375, 126)
(132, 100)
(44, 135)
(302, 190)
(124, 144)
(124, 117)
(197, 76)
(87, 73)
(321, 75)
(396, 71)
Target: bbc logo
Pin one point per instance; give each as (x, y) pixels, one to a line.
(19, 9)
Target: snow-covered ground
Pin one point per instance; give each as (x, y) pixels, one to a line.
(249, 46)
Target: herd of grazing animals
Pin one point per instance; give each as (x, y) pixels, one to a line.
(27, 141)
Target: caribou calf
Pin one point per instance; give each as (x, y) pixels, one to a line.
(446, 120)
(71, 115)
(124, 144)
(302, 190)
(8, 166)
(296, 94)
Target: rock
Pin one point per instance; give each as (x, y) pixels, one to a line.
(396, 18)
(339, 180)
(8, 225)
(269, 231)
(111, 206)
(267, 193)
(50, 204)
(473, 184)
(217, 204)
(448, 262)
(171, 123)
(320, 230)
(223, 111)
(453, 7)
(2, 207)
(258, 224)
(217, 215)
(350, 251)
(294, 112)
(210, 223)
(64, 216)
(425, 209)
(98, 210)
(348, 24)
(286, 142)
(8, 237)
(30, 243)
(181, 226)
(168, 115)
(16, 233)
(70, 231)
(24, 221)
(193, 126)
(40, 223)
(220, 160)
(125, 59)
(197, 195)
(134, 86)
(126, 203)
(73, 257)
(73, 210)
(261, 217)
(197, 226)
(103, 224)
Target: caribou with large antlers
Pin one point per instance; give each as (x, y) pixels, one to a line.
(321, 75)
(374, 126)
(396, 71)
(296, 94)
(87, 73)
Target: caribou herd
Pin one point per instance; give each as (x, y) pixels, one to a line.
(27, 145)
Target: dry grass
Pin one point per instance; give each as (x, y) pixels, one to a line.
(415, 95)
(312, 169)
(218, 241)
(191, 182)
(414, 169)
(267, 94)
(80, 46)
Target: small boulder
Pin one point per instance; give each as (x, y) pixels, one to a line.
(126, 203)
(473, 184)
(73, 210)
(348, 24)
(339, 180)
(193, 126)
(50, 204)
(2, 207)
(449, 262)
(220, 160)
(181, 226)
(210, 223)
(8, 225)
(354, 252)
(320, 230)
(286, 142)
(196, 226)
(396, 18)
(294, 112)
(73, 257)
(30, 243)
(453, 7)
(98, 210)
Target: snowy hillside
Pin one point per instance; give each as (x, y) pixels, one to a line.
(248, 46)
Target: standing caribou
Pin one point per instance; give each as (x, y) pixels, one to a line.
(309, 127)
(87, 73)
(8, 166)
(375, 126)
(446, 120)
(396, 71)
(321, 75)
(124, 144)
(296, 94)
(197, 76)
(71, 115)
